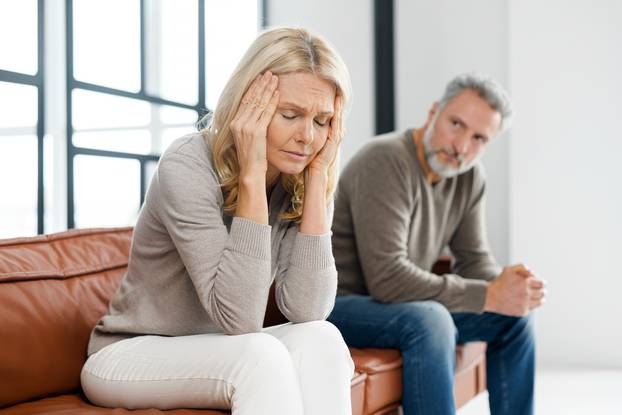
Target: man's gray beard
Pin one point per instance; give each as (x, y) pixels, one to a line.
(443, 170)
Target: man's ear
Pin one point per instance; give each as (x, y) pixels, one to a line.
(431, 113)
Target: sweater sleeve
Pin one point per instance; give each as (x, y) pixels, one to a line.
(230, 271)
(469, 244)
(306, 285)
(382, 205)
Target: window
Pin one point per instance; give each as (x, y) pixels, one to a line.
(126, 78)
(135, 90)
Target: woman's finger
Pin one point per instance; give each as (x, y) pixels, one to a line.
(265, 97)
(335, 122)
(243, 111)
(251, 98)
(245, 102)
(268, 112)
(255, 98)
(329, 151)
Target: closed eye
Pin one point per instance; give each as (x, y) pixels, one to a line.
(289, 117)
(320, 123)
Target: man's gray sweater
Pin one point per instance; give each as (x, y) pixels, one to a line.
(391, 225)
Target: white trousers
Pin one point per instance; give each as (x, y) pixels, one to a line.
(288, 369)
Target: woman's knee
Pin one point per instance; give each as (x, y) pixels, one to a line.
(315, 334)
(266, 377)
(266, 354)
(319, 340)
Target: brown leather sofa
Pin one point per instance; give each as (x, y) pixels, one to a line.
(53, 288)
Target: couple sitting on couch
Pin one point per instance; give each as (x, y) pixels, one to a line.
(248, 201)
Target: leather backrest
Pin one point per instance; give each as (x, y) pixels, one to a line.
(53, 289)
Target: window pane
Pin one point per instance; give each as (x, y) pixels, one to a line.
(18, 20)
(125, 141)
(18, 105)
(106, 41)
(95, 110)
(107, 191)
(173, 115)
(18, 185)
(225, 43)
(175, 122)
(175, 49)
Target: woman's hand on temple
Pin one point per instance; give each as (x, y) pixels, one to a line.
(327, 154)
(250, 124)
(314, 219)
(249, 129)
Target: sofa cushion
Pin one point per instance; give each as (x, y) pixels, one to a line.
(383, 368)
(469, 355)
(77, 404)
(470, 378)
(53, 289)
(358, 393)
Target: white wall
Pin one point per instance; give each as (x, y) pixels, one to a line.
(424, 63)
(566, 150)
(554, 196)
(348, 26)
(436, 40)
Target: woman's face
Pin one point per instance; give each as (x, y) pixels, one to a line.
(301, 123)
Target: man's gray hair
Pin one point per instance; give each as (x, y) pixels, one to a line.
(487, 88)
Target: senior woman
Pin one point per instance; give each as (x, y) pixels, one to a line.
(245, 202)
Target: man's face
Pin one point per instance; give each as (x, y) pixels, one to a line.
(456, 137)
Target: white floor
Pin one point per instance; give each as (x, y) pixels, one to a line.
(568, 392)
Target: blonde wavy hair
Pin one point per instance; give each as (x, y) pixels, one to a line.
(281, 51)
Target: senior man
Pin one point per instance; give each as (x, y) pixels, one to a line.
(401, 201)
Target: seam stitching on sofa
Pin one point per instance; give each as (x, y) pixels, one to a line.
(57, 274)
(60, 237)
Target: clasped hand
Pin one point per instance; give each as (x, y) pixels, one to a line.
(515, 292)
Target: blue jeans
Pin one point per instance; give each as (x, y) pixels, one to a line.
(426, 334)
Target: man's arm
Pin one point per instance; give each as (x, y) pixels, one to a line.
(515, 290)
(469, 244)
